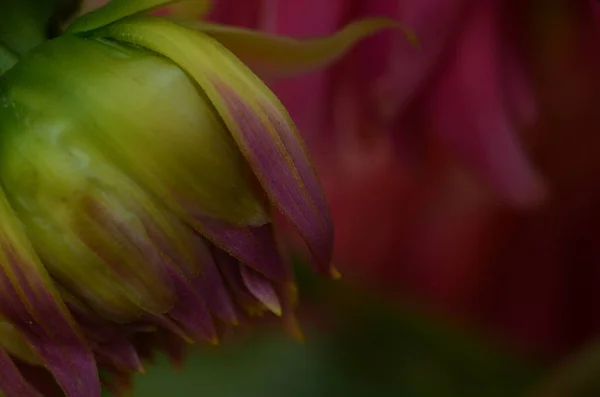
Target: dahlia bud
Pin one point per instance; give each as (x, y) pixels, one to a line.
(141, 162)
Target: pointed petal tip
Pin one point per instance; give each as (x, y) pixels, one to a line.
(261, 288)
(377, 24)
(275, 308)
(294, 329)
(334, 273)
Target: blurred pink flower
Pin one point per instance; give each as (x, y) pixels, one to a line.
(465, 84)
(426, 154)
(431, 229)
(374, 118)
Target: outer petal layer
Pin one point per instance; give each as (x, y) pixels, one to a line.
(257, 121)
(174, 145)
(29, 301)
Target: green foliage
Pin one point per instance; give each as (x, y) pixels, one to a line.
(369, 349)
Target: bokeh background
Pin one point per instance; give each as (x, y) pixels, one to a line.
(463, 176)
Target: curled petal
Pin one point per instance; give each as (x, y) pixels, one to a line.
(256, 119)
(278, 56)
(29, 301)
(306, 96)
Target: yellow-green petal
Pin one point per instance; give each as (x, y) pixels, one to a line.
(68, 197)
(151, 119)
(280, 56)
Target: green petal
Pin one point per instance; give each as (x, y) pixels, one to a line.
(278, 56)
(118, 9)
(149, 117)
(66, 194)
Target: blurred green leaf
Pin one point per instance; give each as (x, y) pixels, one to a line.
(370, 348)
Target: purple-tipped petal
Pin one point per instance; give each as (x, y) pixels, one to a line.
(230, 269)
(211, 285)
(254, 246)
(279, 160)
(29, 304)
(120, 354)
(262, 289)
(12, 382)
(109, 341)
(190, 310)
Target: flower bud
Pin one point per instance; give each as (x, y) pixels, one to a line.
(140, 164)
